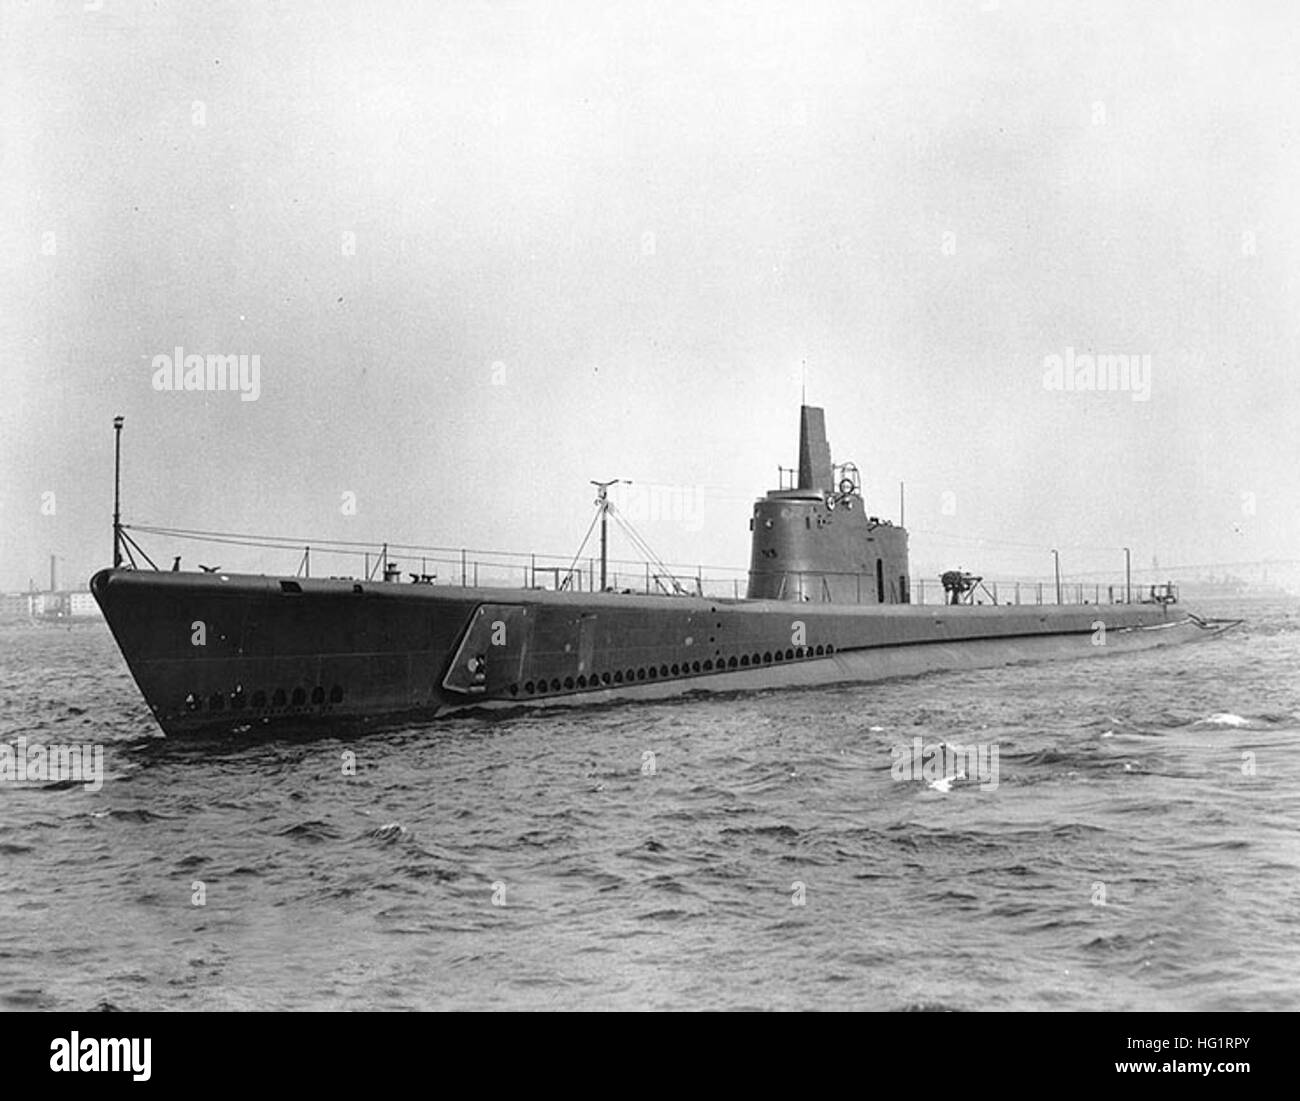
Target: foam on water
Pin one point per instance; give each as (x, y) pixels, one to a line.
(1223, 718)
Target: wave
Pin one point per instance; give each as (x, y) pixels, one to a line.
(313, 830)
(138, 815)
(393, 831)
(1222, 718)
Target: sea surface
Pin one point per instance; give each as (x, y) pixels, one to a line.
(1141, 850)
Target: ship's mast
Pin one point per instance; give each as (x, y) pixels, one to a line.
(815, 469)
(117, 492)
(602, 503)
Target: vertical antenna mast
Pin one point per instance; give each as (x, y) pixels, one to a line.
(117, 492)
(602, 503)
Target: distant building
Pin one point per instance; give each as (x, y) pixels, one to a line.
(83, 605)
(49, 606)
(15, 605)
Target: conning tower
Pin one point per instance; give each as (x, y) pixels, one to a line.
(815, 542)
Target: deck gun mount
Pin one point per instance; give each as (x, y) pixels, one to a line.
(960, 586)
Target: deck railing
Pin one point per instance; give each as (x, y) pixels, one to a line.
(504, 569)
(1010, 591)
(496, 569)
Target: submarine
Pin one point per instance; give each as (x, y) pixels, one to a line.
(827, 602)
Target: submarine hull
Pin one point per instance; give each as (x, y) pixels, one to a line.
(216, 653)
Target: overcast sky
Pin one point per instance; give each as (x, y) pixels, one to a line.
(487, 252)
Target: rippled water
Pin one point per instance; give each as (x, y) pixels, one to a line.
(671, 882)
